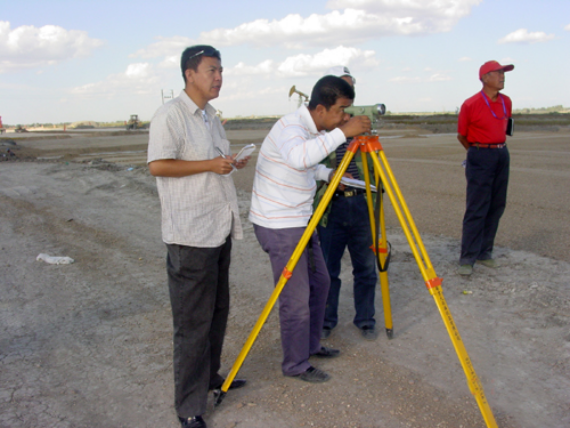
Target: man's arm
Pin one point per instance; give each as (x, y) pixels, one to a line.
(357, 125)
(463, 125)
(301, 152)
(182, 168)
(463, 140)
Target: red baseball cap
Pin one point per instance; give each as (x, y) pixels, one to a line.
(493, 66)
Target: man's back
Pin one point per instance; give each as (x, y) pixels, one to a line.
(287, 169)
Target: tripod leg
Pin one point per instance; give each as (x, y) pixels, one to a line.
(384, 286)
(433, 283)
(285, 276)
(380, 248)
(473, 382)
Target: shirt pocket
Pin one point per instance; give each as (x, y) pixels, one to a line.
(197, 144)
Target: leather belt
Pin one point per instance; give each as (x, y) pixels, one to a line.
(488, 146)
(348, 193)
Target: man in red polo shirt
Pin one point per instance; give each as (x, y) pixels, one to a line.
(482, 129)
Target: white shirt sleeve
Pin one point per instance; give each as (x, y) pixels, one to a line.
(301, 152)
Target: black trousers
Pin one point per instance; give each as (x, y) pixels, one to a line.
(487, 173)
(198, 281)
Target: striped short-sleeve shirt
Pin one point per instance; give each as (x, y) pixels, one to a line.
(198, 210)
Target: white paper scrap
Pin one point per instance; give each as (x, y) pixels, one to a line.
(53, 260)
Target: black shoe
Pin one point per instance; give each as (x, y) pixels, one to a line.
(236, 383)
(193, 422)
(369, 332)
(326, 332)
(313, 375)
(325, 352)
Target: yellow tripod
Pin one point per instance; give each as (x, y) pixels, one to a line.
(370, 146)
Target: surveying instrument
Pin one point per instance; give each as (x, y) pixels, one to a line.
(371, 150)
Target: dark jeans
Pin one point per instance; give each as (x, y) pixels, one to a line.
(199, 294)
(487, 173)
(348, 225)
(303, 298)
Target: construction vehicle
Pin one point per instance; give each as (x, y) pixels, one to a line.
(134, 123)
(20, 128)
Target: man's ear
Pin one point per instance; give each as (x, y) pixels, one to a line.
(320, 110)
(189, 73)
(319, 115)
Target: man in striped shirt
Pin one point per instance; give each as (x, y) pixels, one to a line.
(283, 190)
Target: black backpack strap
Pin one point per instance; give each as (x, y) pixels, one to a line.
(379, 197)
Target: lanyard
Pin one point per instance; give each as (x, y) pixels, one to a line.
(488, 105)
(206, 121)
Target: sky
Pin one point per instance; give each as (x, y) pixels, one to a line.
(68, 61)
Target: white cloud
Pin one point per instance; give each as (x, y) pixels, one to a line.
(438, 77)
(451, 8)
(138, 78)
(360, 20)
(523, 36)
(28, 46)
(266, 67)
(567, 28)
(166, 46)
(172, 61)
(309, 65)
(465, 59)
(303, 65)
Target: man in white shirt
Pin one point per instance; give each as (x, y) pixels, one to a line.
(283, 190)
(200, 216)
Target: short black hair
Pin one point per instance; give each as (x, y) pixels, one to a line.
(192, 57)
(328, 90)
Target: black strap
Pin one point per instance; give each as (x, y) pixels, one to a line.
(379, 196)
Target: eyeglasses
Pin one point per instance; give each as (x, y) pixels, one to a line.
(206, 52)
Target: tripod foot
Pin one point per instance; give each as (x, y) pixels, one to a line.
(218, 397)
(390, 333)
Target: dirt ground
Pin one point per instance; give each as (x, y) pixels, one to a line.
(89, 344)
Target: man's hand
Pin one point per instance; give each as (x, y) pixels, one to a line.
(463, 140)
(242, 163)
(222, 165)
(340, 185)
(355, 126)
